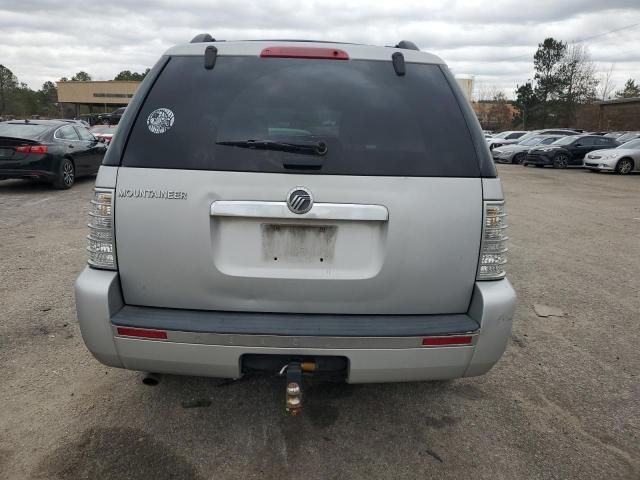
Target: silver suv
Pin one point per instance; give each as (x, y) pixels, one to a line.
(298, 206)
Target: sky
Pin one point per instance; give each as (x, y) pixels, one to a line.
(492, 40)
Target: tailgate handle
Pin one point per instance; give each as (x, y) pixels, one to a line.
(319, 211)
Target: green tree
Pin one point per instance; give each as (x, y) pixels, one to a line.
(25, 102)
(546, 62)
(525, 103)
(81, 77)
(132, 76)
(631, 89)
(8, 84)
(47, 99)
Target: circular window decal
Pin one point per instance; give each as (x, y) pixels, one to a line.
(160, 120)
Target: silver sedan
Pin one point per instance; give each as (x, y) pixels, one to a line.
(516, 153)
(623, 159)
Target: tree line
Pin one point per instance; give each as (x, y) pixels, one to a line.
(564, 78)
(17, 99)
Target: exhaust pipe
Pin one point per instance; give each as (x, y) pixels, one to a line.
(150, 379)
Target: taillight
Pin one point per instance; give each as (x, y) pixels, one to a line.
(102, 251)
(305, 52)
(32, 149)
(493, 252)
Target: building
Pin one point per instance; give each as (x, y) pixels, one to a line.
(95, 96)
(466, 84)
(610, 115)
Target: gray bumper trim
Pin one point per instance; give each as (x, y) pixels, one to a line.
(289, 324)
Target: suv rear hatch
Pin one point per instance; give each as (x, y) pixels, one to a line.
(201, 217)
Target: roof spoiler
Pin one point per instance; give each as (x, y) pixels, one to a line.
(407, 45)
(202, 38)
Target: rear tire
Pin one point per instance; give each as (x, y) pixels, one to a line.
(624, 166)
(66, 175)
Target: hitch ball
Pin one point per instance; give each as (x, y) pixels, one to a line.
(294, 398)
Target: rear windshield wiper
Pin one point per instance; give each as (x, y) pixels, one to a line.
(310, 148)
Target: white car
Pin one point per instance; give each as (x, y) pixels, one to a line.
(623, 159)
(505, 138)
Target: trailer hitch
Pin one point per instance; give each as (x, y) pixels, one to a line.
(293, 373)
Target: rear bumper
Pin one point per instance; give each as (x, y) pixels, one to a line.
(32, 166)
(373, 356)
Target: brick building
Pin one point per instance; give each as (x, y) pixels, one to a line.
(611, 115)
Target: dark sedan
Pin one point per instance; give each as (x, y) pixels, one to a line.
(567, 151)
(51, 151)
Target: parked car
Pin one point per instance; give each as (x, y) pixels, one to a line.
(516, 153)
(504, 138)
(50, 151)
(286, 253)
(90, 118)
(112, 118)
(567, 151)
(535, 133)
(622, 159)
(104, 132)
(561, 132)
(75, 121)
(614, 135)
(627, 137)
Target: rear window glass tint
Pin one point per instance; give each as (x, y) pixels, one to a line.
(372, 121)
(22, 130)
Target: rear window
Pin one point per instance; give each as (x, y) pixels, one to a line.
(372, 121)
(30, 131)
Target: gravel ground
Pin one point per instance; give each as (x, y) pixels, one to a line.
(564, 402)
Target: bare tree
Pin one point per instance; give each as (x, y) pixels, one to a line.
(486, 93)
(578, 80)
(606, 85)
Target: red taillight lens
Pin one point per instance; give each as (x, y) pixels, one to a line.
(142, 333)
(32, 149)
(39, 149)
(449, 340)
(305, 52)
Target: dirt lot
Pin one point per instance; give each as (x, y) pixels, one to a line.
(564, 402)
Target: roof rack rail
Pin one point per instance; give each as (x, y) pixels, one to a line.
(202, 37)
(407, 45)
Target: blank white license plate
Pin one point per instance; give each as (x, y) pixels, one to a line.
(305, 243)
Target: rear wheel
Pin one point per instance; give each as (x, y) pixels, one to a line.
(66, 175)
(624, 166)
(561, 161)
